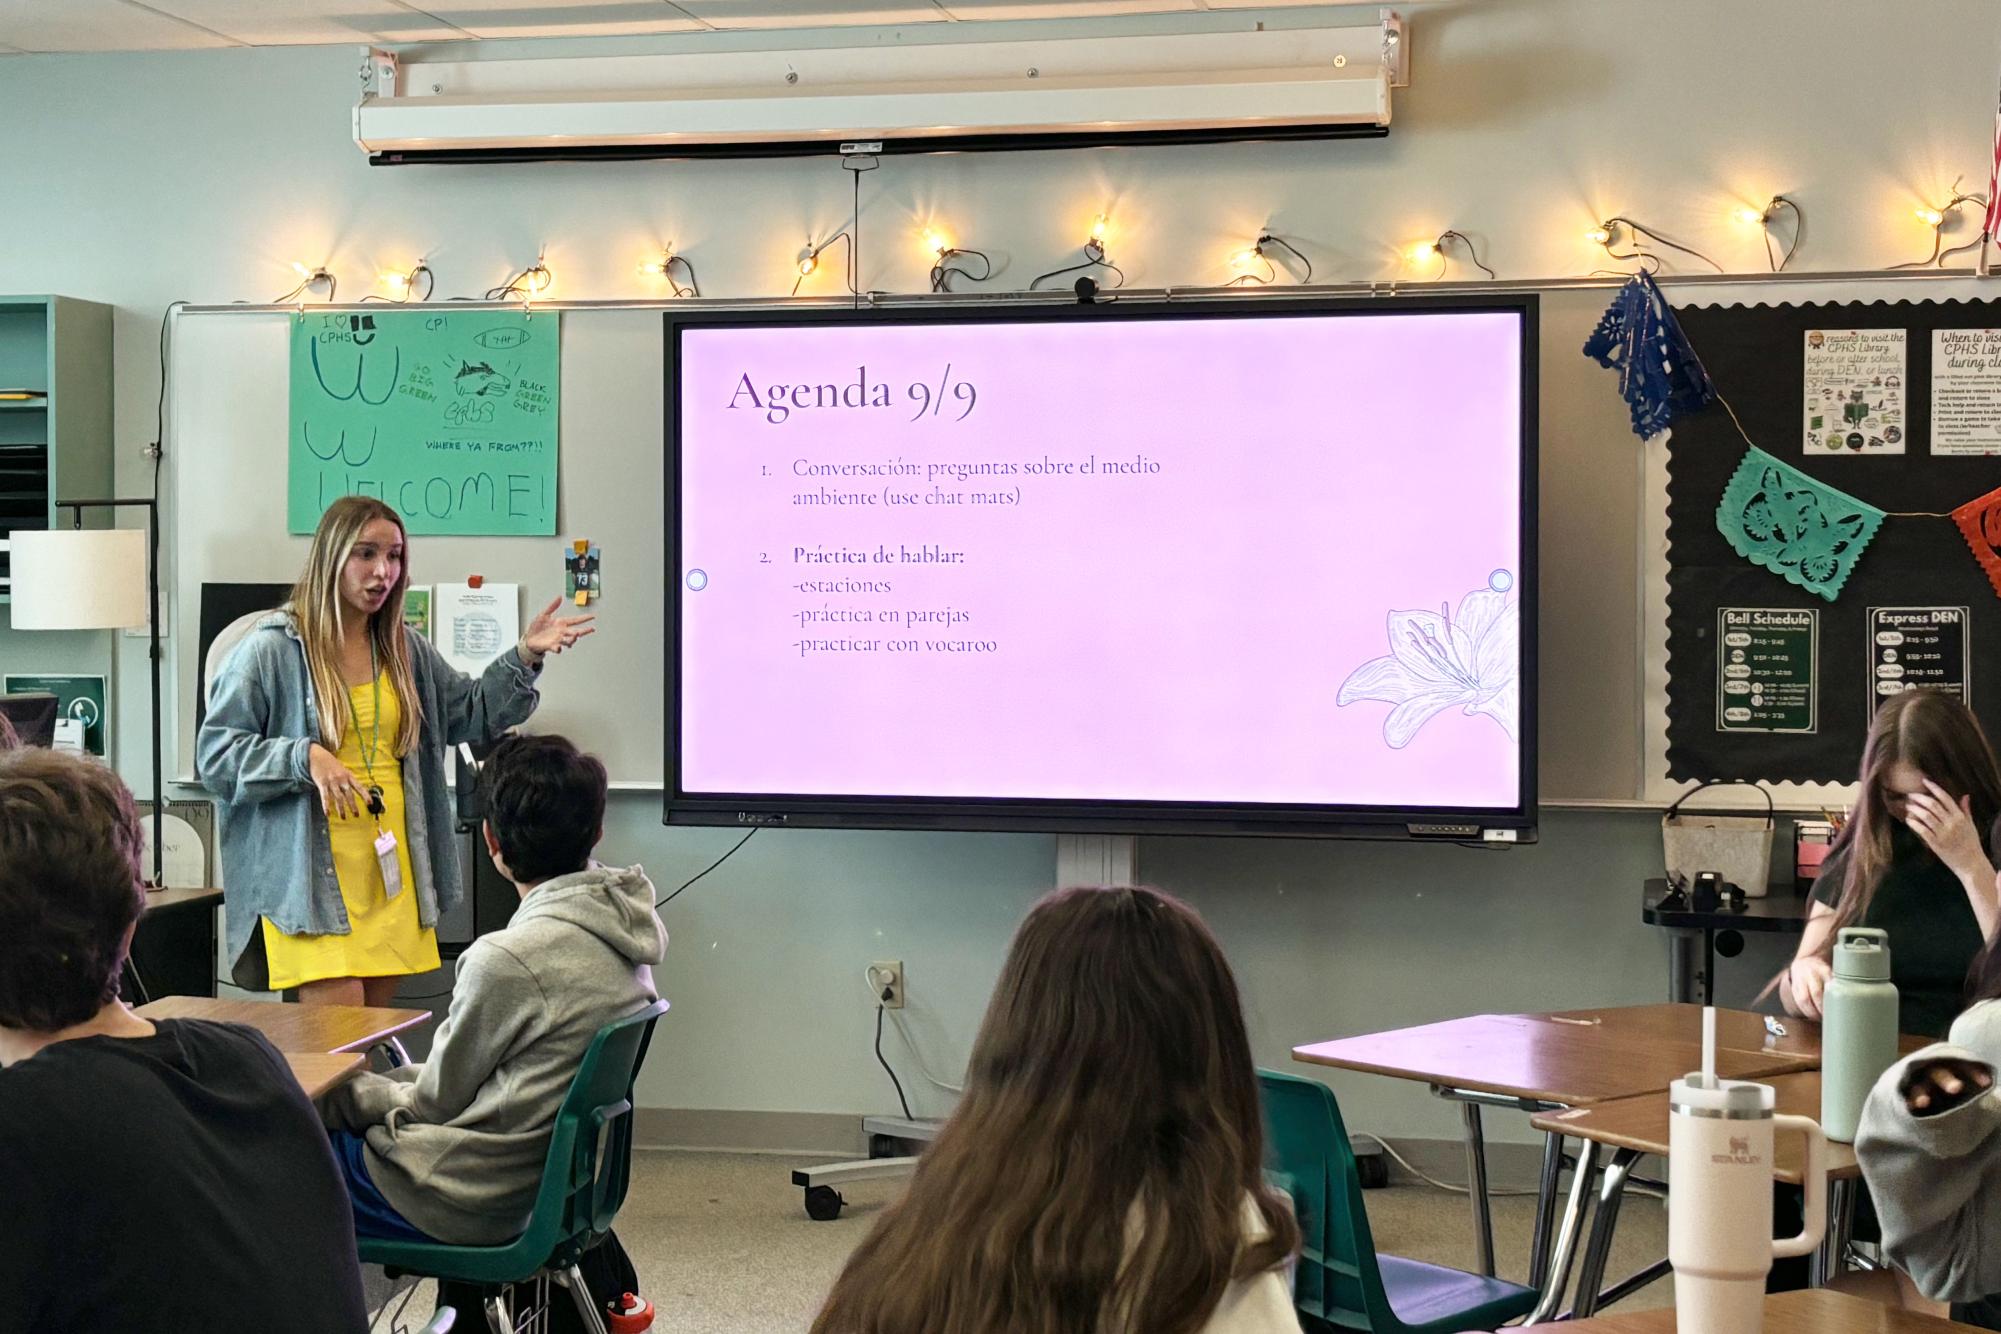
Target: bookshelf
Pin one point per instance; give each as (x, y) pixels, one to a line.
(57, 445)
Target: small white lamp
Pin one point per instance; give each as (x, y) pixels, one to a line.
(96, 579)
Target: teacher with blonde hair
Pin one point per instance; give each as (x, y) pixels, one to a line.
(325, 744)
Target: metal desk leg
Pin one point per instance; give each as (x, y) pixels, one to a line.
(1832, 1257)
(393, 1051)
(1598, 1251)
(1545, 1208)
(1682, 964)
(1476, 1188)
(1566, 1237)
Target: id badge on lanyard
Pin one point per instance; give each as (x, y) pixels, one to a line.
(392, 865)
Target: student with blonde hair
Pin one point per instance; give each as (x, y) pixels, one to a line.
(325, 742)
(1103, 1173)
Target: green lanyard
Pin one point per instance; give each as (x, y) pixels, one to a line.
(372, 743)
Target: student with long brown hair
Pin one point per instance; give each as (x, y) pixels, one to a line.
(1915, 858)
(1103, 1171)
(325, 741)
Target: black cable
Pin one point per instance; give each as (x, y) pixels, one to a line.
(1094, 258)
(1655, 236)
(710, 867)
(1799, 229)
(333, 286)
(1939, 254)
(1471, 252)
(1268, 238)
(694, 287)
(851, 163)
(1271, 270)
(942, 271)
(884, 1061)
(409, 286)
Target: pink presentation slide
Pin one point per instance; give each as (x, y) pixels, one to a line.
(1211, 559)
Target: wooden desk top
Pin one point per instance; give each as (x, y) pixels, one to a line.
(157, 899)
(322, 1072)
(1813, 1311)
(1575, 1059)
(1642, 1123)
(1736, 1030)
(295, 1028)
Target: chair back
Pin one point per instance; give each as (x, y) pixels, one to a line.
(589, 1166)
(1337, 1279)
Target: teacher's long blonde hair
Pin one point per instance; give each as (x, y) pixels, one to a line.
(320, 614)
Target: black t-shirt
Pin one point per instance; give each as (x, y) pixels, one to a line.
(1934, 935)
(176, 1182)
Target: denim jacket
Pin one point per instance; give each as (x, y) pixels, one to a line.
(277, 853)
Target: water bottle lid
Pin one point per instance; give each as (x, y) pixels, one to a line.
(1725, 1099)
(1862, 954)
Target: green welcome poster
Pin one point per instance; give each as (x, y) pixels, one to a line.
(449, 416)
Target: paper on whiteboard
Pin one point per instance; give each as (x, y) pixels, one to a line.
(473, 626)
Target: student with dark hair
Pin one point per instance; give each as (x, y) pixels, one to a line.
(157, 1175)
(452, 1149)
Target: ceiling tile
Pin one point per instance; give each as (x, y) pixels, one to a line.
(810, 13)
(311, 22)
(96, 25)
(1062, 9)
(562, 18)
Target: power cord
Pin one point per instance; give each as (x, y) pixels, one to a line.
(880, 1010)
(710, 867)
(1632, 1187)
(878, 993)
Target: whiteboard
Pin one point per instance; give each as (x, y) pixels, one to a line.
(226, 460)
(226, 466)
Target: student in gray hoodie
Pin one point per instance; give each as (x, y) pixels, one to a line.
(452, 1149)
(1930, 1148)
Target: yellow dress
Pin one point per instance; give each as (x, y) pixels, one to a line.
(384, 938)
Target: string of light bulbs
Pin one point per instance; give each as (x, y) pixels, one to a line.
(1938, 219)
(1761, 218)
(310, 278)
(663, 267)
(1429, 250)
(1094, 257)
(1261, 261)
(943, 253)
(1606, 234)
(1256, 254)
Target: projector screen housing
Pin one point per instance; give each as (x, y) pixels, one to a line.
(1314, 615)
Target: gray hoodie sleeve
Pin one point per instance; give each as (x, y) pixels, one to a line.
(1936, 1180)
(507, 999)
(236, 758)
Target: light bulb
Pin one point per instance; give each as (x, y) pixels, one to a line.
(301, 269)
(1245, 259)
(1753, 217)
(1423, 251)
(936, 244)
(808, 264)
(1099, 227)
(1599, 236)
(1930, 217)
(658, 267)
(398, 281)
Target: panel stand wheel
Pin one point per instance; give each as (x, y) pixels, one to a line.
(823, 1203)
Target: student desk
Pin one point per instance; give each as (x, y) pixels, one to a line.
(1634, 1128)
(301, 1028)
(321, 1072)
(1814, 1311)
(1549, 1062)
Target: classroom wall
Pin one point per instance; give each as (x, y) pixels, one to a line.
(202, 176)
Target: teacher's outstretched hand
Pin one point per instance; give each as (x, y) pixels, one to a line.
(549, 633)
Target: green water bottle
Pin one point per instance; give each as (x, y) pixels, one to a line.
(1858, 1034)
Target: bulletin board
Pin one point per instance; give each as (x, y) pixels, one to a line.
(1774, 669)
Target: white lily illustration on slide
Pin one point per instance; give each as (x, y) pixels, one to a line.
(1441, 658)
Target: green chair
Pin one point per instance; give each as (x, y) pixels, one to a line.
(1340, 1281)
(583, 1184)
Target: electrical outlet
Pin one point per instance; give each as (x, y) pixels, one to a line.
(886, 976)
